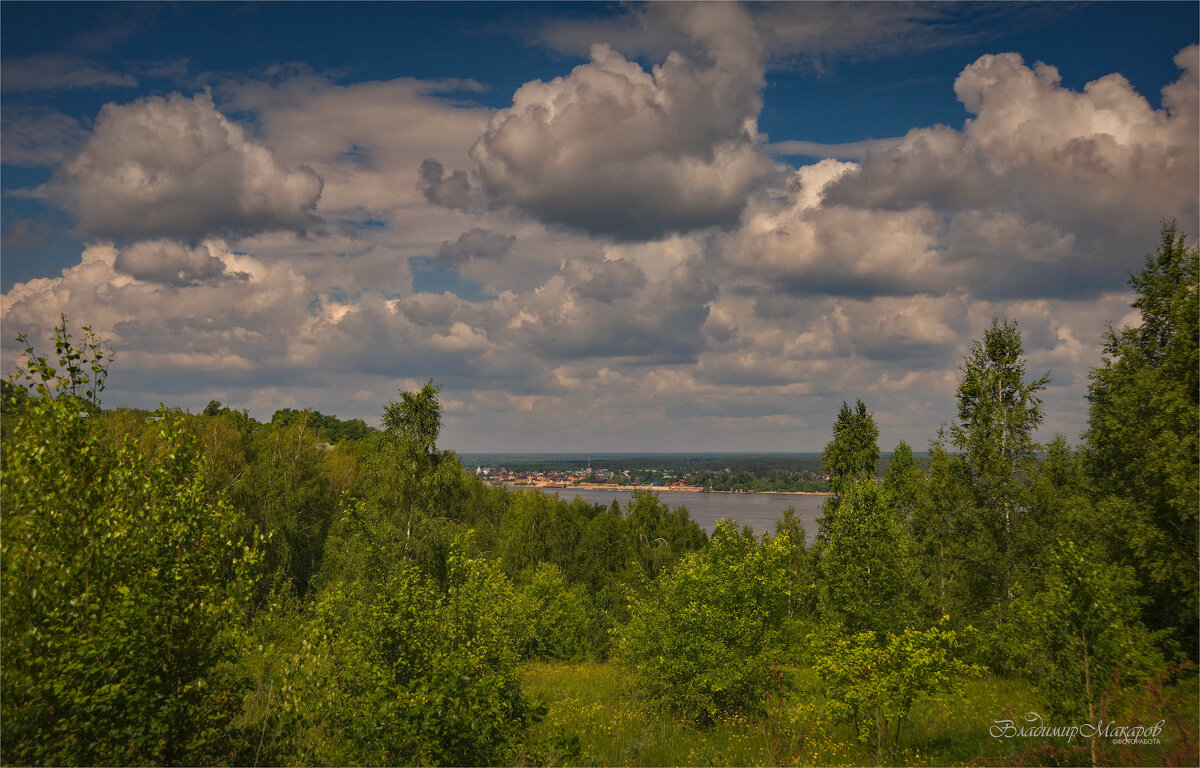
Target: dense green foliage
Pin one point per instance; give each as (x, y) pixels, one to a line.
(285, 491)
(1085, 628)
(765, 481)
(1142, 442)
(998, 411)
(123, 584)
(331, 428)
(557, 621)
(853, 454)
(418, 675)
(706, 635)
(904, 481)
(874, 684)
(866, 575)
(207, 589)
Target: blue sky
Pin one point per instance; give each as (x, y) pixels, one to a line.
(598, 226)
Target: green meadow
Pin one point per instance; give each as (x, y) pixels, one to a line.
(599, 703)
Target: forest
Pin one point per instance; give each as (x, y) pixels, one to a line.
(195, 589)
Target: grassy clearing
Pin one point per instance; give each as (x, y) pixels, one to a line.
(598, 702)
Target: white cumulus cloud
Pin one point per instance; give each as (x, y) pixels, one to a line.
(1045, 190)
(615, 150)
(176, 167)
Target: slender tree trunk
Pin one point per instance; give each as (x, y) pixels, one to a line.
(1087, 687)
(880, 735)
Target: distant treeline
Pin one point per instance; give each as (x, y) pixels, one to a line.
(753, 462)
(762, 481)
(329, 429)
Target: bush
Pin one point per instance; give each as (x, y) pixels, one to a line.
(661, 535)
(1083, 631)
(557, 620)
(872, 684)
(866, 574)
(705, 637)
(411, 675)
(123, 584)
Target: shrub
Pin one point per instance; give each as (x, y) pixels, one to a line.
(411, 675)
(557, 620)
(866, 574)
(123, 584)
(705, 636)
(872, 684)
(1083, 633)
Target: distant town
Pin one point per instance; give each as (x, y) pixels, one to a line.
(649, 478)
(697, 472)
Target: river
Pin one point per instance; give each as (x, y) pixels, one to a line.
(758, 510)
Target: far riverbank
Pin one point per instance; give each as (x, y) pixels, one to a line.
(758, 509)
(655, 488)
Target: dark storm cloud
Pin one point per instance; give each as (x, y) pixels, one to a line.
(475, 244)
(454, 191)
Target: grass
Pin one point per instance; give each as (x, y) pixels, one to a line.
(598, 703)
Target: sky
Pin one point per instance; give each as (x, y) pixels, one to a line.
(598, 227)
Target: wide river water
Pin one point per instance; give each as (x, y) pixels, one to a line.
(758, 510)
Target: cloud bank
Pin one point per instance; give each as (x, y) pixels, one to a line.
(650, 275)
